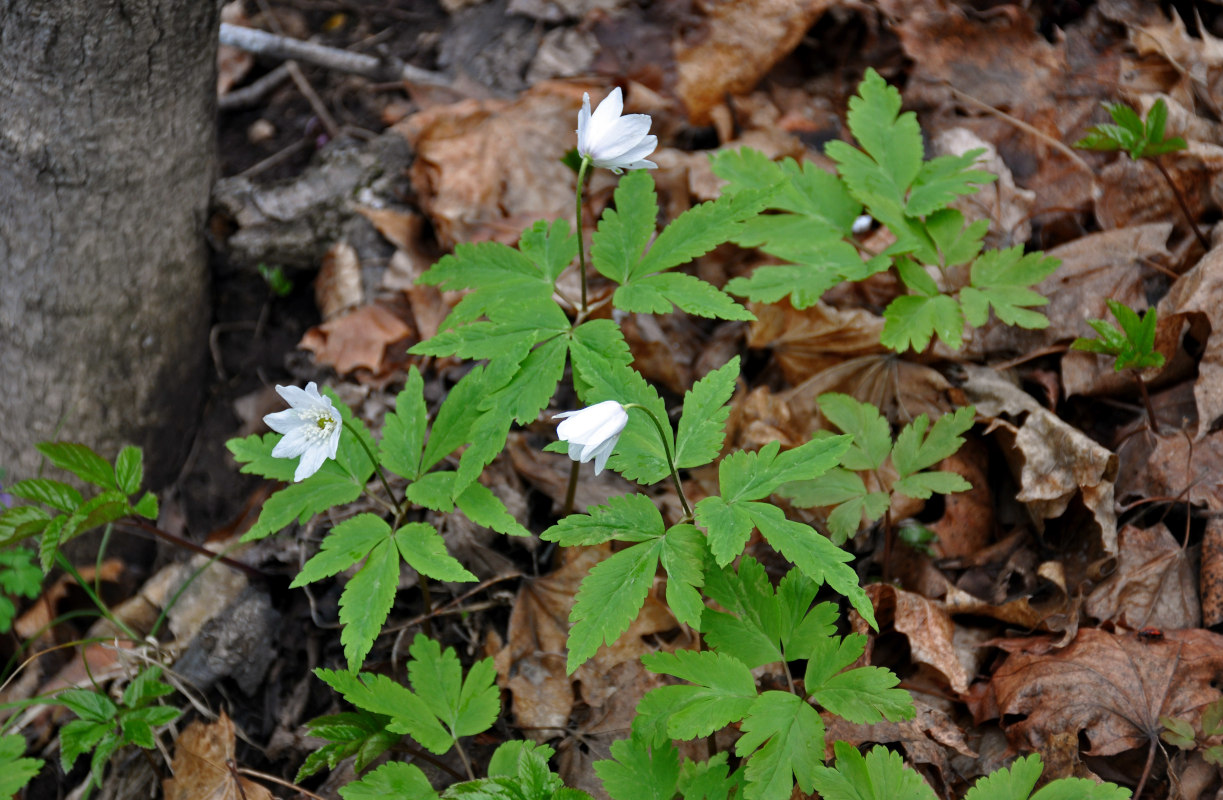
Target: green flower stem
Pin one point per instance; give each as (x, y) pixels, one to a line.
(683, 500)
(66, 565)
(581, 240)
(422, 580)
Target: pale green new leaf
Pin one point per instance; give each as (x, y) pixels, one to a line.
(810, 551)
(709, 780)
(1001, 279)
(465, 707)
(751, 476)
(942, 179)
(380, 694)
(366, 602)
(816, 199)
(864, 695)
(623, 233)
(80, 461)
(423, 548)
(780, 734)
(910, 321)
(728, 526)
(610, 598)
(657, 294)
(921, 485)
(395, 779)
(701, 430)
(639, 770)
(15, 771)
(1009, 783)
(722, 693)
(454, 417)
(627, 518)
(872, 435)
(346, 544)
(683, 557)
(916, 451)
(403, 431)
(752, 630)
(359, 734)
(129, 469)
(880, 775)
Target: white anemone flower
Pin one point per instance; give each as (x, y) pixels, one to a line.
(613, 141)
(592, 432)
(311, 428)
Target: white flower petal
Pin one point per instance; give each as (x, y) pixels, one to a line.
(296, 396)
(312, 459)
(647, 146)
(612, 141)
(311, 428)
(296, 442)
(584, 123)
(283, 421)
(622, 137)
(607, 113)
(602, 455)
(592, 432)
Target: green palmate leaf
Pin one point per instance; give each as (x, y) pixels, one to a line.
(602, 338)
(924, 484)
(424, 549)
(728, 526)
(48, 544)
(19, 522)
(518, 771)
(367, 600)
(819, 559)
(88, 705)
(700, 433)
(724, 690)
(865, 695)
(1080, 789)
(915, 450)
(346, 544)
(623, 232)
(610, 598)
(816, 200)
(494, 272)
(509, 755)
(483, 507)
(639, 454)
(910, 321)
(657, 294)
(942, 179)
(843, 489)
(18, 576)
(752, 631)
(1000, 278)
(957, 243)
(551, 248)
(454, 418)
(380, 694)
(708, 780)
(254, 453)
(752, 476)
(532, 386)
(488, 435)
(806, 281)
(56, 494)
(129, 470)
(105, 507)
(1131, 134)
(80, 461)
(327, 488)
(872, 436)
(629, 518)
(15, 771)
(395, 779)
(780, 733)
(360, 735)
(80, 736)
(434, 490)
(403, 431)
(880, 775)
(144, 688)
(640, 770)
(683, 557)
(465, 706)
(700, 229)
(1017, 781)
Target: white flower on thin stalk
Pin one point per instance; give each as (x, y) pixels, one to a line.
(613, 141)
(311, 428)
(592, 432)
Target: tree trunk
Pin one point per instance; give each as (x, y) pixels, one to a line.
(107, 153)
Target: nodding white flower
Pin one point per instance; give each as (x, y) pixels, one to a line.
(311, 428)
(592, 432)
(613, 141)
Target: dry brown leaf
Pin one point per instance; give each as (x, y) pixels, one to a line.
(928, 628)
(734, 45)
(204, 767)
(967, 524)
(487, 169)
(232, 63)
(807, 342)
(1212, 572)
(1171, 465)
(1005, 205)
(549, 473)
(1111, 687)
(1154, 583)
(925, 739)
(1198, 295)
(361, 339)
(1054, 462)
(400, 228)
(337, 288)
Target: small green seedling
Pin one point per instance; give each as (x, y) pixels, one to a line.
(1180, 733)
(1133, 346)
(1141, 140)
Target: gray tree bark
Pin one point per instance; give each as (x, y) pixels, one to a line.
(107, 154)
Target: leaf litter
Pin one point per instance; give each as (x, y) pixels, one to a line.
(1026, 618)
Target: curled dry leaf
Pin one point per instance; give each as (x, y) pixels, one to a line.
(968, 517)
(1196, 300)
(1172, 465)
(361, 339)
(338, 286)
(204, 767)
(1112, 687)
(925, 739)
(1154, 583)
(1054, 462)
(929, 629)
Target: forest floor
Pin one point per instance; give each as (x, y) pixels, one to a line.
(1067, 604)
